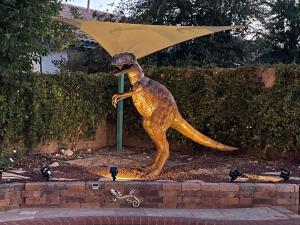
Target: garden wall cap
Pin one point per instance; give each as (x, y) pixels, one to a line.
(140, 39)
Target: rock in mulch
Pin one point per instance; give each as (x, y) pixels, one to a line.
(17, 171)
(62, 179)
(53, 165)
(12, 176)
(67, 152)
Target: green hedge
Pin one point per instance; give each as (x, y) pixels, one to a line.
(229, 105)
(233, 106)
(37, 107)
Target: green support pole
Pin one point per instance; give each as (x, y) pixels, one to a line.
(120, 114)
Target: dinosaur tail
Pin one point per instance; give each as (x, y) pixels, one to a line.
(182, 126)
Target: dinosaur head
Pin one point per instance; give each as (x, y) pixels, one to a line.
(122, 62)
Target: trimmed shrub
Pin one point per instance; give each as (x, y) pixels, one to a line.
(37, 107)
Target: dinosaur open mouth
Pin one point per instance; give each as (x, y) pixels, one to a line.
(118, 69)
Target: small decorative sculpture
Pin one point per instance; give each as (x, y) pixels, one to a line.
(130, 198)
(159, 111)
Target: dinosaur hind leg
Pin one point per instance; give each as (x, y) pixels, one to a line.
(162, 155)
(150, 131)
(158, 136)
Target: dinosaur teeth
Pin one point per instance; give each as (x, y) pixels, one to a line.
(116, 69)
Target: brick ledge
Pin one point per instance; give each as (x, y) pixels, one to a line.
(159, 194)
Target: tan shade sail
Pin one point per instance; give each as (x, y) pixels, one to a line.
(140, 39)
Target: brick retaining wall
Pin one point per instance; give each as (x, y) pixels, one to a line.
(151, 194)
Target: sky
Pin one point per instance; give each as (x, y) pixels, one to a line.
(102, 5)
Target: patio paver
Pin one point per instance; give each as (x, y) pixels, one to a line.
(145, 216)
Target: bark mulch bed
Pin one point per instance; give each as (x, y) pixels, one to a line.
(209, 166)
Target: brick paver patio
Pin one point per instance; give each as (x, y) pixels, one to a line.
(143, 216)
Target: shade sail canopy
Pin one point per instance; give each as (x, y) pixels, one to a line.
(140, 39)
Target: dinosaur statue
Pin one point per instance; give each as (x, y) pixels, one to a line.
(158, 108)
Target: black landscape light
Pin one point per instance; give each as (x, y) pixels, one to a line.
(285, 174)
(234, 174)
(114, 172)
(46, 172)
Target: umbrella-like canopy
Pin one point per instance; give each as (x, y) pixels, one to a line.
(139, 39)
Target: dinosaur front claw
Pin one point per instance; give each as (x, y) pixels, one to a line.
(115, 100)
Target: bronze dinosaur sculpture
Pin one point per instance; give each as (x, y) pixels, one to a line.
(158, 108)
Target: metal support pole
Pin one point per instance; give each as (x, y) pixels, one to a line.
(120, 114)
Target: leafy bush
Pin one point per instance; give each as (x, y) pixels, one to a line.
(229, 105)
(37, 107)
(6, 159)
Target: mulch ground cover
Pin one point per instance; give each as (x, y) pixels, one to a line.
(207, 166)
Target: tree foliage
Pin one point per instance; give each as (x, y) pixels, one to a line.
(272, 32)
(28, 32)
(222, 49)
(283, 31)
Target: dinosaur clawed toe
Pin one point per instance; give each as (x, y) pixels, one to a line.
(136, 166)
(149, 168)
(151, 174)
(151, 171)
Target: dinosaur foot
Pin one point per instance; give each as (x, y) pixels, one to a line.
(149, 168)
(148, 165)
(152, 174)
(136, 166)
